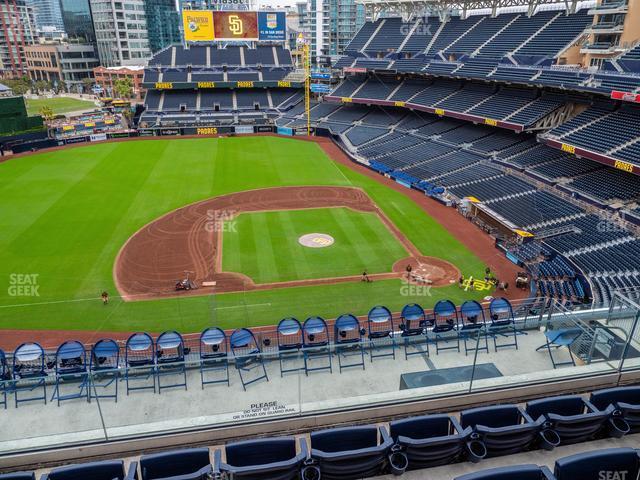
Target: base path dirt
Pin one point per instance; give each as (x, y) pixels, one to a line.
(189, 239)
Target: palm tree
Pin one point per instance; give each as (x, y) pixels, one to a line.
(47, 112)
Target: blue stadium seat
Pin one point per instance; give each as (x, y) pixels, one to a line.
(517, 472)
(290, 343)
(248, 358)
(170, 360)
(381, 332)
(71, 369)
(610, 463)
(268, 459)
(187, 464)
(140, 363)
(316, 344)
(214, 356)
(433, 440)
(348, 342)
(503, 429)
(106, 470)
(350, 453)
(625, 401)
(571, 417)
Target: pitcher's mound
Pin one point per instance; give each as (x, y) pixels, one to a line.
(316, 240)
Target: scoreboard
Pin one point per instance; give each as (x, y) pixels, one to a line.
(224, 26)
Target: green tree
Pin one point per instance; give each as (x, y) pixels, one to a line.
(47, 112)
(87, 83)
(123, 88)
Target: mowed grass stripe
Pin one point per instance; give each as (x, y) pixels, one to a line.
(297, 265)
(389, 247)
(344, 221)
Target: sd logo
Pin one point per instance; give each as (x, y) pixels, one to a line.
(235, 25)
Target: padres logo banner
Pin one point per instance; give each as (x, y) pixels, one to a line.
(235, 25)
(198, 25)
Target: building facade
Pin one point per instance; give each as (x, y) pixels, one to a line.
(68, 64)
(17, 30)
(163, 24)
(47, 15)
(331, 24)
(128, 33)
(77, 20)
(106, 77)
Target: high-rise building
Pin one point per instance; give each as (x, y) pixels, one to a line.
(47, 14)
(17, 29)
(163, 24)
(78, 23)
(128, 33)
(331, 24)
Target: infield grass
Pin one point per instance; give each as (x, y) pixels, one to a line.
(265, 245)
(64, 215)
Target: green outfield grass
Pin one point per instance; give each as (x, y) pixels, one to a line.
(265, 245)
(64, 215)
(58, 105)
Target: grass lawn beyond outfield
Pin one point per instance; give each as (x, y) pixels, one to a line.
(58, 105)
(265, 245)
(65, 214)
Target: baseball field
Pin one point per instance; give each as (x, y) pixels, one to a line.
(79, 221)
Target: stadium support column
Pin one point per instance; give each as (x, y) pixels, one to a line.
(307, 85)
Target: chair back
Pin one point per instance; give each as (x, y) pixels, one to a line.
(570, 417)
(445, 316)
(501, 312)
(472, 315)
(289, 334)
(243, 343)
(503, 429)
(170, 348)
(174, 463)
(213, 343)
(412, 318)
(106, 470)
(609, 463)
(266, 451)
(105, 355)
(71, 357)
(139, 350)
(5, 371)
(28, 361)
(315, 332)
(429, 440)
(380, 322)
(347, 330)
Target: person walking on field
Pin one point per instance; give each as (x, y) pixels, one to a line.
(408, 269)
(105, 297)
(365, 277)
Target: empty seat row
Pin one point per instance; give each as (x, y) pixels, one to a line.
(356, 452)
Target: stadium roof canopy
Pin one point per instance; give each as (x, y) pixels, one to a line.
(445, 7)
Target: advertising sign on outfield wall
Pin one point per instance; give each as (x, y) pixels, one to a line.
(225, 26)
(244, 129)
(284, 131)
(98, 137)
